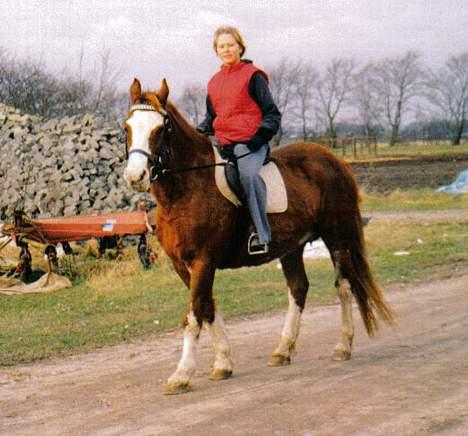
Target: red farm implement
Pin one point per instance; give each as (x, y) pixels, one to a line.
(109, 229)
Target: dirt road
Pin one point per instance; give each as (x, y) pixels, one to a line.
(409, 381)
(427, 217)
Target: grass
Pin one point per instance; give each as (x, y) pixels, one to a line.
(420, 149)
(426, 251)
(417, 199)
(412, 149)
(113, 302)
(408, 150)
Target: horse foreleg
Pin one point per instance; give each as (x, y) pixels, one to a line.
(222, 368)
(179, 382)
(182, 271)
(201, 309)
(293, 269)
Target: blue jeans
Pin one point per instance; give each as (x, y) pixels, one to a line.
(254, 187)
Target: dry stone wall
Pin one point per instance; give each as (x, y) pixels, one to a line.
(61, 167)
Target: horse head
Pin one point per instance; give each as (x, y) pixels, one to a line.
(147, 127)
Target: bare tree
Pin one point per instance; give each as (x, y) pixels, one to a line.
(333, 89)
(3, 69)
(304, 91)
(193, 103)
(283, 78)
(448, 92)
(92, 91)
(80, 89)
(398, 80)
(25, 85)
(366, 99)
(105, 91)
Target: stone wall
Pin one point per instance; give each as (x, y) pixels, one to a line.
(60, 167)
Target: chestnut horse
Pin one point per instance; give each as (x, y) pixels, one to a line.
(201, 231)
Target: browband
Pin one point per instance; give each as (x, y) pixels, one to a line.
(146, 107)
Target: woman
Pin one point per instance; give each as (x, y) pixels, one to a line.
(243, 118)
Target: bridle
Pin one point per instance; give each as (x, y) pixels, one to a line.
(156, 162)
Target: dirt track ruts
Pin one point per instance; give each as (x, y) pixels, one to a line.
(412, 380)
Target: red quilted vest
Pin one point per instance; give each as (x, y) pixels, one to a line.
(237, 115)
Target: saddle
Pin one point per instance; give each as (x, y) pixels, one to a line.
(227, 181)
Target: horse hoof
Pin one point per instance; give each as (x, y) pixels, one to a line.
(341, 355)
(220, 374)
(279, 360)
(177, 388)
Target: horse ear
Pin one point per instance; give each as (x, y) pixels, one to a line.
(135, 91)
(163, 92)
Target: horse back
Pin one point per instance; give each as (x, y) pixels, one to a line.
(317, 166)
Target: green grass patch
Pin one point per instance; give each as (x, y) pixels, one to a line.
(114, 302)
(417, 199)
(421, 149)
(411, 252)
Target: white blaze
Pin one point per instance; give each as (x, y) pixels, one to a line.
(141, 123)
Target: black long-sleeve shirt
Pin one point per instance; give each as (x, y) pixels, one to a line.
(271, 116)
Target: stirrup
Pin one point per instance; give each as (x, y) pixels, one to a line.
(255, 247)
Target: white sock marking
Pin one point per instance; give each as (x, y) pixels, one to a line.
(291, 327)
(221, 345)
(187, 363)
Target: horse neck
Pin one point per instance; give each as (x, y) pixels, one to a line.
(188, 149)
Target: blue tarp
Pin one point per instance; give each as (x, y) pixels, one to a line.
(459, 186)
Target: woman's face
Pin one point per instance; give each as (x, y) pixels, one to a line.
(228, 50)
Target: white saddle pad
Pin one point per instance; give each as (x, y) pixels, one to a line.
(277, 199)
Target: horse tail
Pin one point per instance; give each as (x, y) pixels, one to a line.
(352, 264)
(343, 234)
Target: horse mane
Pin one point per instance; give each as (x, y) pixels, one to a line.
(184, 126)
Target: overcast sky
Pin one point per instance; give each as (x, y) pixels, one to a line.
(151, 39)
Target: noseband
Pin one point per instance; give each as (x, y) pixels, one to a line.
(156, 162)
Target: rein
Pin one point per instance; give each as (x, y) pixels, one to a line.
(164, 171)
(202, 167)
(157, 170)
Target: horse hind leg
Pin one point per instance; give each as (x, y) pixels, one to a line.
(294, 271)
(354, 280)
(343, 287)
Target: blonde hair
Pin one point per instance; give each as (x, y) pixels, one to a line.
(230, 30)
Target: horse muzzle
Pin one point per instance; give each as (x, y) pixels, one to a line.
(139, 182)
